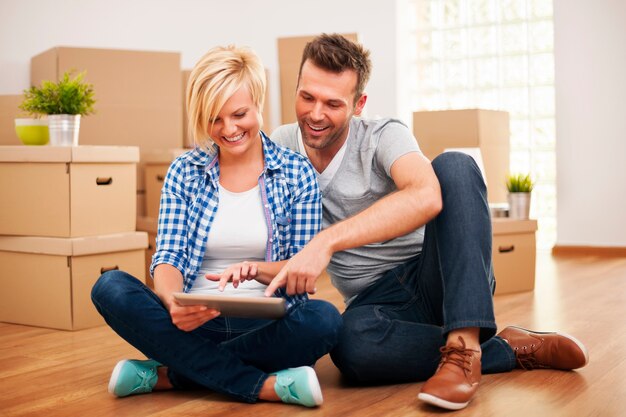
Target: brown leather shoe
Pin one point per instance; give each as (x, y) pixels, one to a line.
(456, 380)
(545, 349)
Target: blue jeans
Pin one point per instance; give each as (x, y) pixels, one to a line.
(393, 329)
(232, 356)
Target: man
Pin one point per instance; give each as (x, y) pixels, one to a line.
(406, 242)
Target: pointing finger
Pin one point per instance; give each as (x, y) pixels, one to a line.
(224, 278)
(277, 282)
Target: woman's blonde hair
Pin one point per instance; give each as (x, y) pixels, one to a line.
(214, 79)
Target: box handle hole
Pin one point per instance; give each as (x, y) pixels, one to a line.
(110, 268)
(104, 180)
(160, 178)
(506, 249)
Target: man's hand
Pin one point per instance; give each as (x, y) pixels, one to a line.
(301, 272)
(235, 273)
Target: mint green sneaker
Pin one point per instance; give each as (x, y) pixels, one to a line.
(131, 377)
(298, 386)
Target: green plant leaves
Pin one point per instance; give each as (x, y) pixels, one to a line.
(68, 96)
(519, 183)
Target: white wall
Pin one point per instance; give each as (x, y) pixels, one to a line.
(590, 61)
(590, 71)
(28, 27)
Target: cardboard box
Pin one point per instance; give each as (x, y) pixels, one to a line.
(61, 191)
(514, 254)
(141, 203)
(148, 225)
(187, 138)
(289, 57)
(47, 281)
(137, 94)
(485, 129)
(155, 164)
(155, 175)
(267, 114)
(9, 111)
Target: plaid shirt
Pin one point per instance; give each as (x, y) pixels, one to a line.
(189, 200)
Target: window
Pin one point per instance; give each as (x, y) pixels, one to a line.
(494, 54)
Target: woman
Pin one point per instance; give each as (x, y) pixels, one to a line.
(234, 209)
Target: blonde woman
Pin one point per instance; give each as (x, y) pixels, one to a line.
(233, 210)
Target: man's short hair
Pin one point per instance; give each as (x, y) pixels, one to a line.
(336, 54)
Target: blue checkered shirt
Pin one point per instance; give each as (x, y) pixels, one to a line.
(189, 200)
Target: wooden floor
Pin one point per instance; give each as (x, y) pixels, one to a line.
(57, 373)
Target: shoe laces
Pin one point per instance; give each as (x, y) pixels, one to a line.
(147, 380)
(457, 355)
(525, 356)
(287, 389)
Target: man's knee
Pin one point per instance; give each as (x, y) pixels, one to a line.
(348, 356)
(456, 170)
(455, 164)
(355, 354)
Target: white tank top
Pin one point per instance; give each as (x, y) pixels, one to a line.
(238, 233)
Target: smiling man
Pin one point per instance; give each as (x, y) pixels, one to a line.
(406, 242)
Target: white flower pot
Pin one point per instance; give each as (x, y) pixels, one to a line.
(64, 129)
(519, 205)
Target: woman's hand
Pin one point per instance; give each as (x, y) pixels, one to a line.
(242, 271)
(188, 318)
(168, 280)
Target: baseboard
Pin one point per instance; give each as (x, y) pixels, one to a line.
(604, 251)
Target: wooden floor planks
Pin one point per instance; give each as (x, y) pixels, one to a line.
(57, 373)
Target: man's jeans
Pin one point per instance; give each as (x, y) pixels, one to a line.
(393, 329)
(227, 355)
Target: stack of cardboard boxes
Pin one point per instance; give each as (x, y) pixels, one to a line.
(65, 208)
(487, 130)
(140, 102)
(68, 215)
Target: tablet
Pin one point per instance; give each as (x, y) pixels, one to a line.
(233, 306)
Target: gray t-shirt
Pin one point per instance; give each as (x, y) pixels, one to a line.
(363, 177)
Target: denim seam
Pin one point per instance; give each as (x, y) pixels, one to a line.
(414, 295)
(259, 384)
(441, 278)
(228, 327)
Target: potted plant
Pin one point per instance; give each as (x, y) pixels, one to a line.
(63, 102)
(519, 187)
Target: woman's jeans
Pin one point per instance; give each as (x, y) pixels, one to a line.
(393, 329)
(227, 355)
